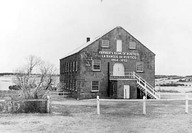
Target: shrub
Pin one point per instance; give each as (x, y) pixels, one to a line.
(14, 87)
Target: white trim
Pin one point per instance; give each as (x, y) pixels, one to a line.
(106, 44)
(132, 45)
(92, 86)
(119, 45)
(93, 63)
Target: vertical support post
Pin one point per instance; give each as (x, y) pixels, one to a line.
(186, 104)
(48, 104)
(108, 71)
(98, 106)
(144, 105)
(145, 93)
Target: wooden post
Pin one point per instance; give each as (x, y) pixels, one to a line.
(48, 104)
(186, 104)
(98, 106)
(145, 94)
(144, 105)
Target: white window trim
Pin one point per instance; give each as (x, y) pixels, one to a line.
(131, 48)
(119, 45)
(93, 65)
(104, 46)
(92, 86)
(76, 66)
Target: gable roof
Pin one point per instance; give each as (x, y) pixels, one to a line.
(78, 49)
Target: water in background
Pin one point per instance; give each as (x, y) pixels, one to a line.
(5, 82)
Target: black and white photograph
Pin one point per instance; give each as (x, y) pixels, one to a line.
(95, 66)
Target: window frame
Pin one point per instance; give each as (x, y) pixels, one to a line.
(93, 64)
(138, 66)
(131, 48)
(76, 64)
(119, 46)
(103, 45)
(98, 86)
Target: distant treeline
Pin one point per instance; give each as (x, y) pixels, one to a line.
(3, 74)
(172, 84)
(168, 76)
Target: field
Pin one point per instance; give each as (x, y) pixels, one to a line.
(69, 116)
(80, 116)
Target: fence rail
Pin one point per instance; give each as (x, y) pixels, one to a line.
(144, 101)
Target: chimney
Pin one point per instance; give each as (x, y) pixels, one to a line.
(88, 39)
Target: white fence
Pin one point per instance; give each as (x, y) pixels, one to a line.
(144, 101)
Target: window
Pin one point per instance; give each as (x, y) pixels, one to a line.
(76, 66)
(70, 66)
(67, 84)
(73, 66)
(95, 86)
(67, 67)
(132, 45)
(96, 65)
(119, 46)
(105, 44)
(71, 85)
(139, 67)
(74, 85)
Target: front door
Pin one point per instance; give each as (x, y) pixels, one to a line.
(126, 91)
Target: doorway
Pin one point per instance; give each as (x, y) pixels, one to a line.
(126, 91)
(118, 69)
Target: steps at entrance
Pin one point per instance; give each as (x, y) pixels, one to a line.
(144, 86)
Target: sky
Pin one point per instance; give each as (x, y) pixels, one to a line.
(51, 29)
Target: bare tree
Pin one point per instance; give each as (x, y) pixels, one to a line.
(35, 78)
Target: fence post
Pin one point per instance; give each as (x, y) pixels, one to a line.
(48, 104)
(144, 105)
(98, 106)
(186, 103)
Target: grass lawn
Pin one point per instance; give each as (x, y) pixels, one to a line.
(123, 117)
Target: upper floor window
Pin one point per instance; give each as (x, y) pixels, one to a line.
(68, 67)
(73, 66)
(76, 65)
(96, 65)
(105, 44)
(139, 67)
(119, 46)
(65, 67)
(132, 45)
(95, 86)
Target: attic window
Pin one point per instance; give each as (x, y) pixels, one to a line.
(119, 46)
(132, 45)
(105, 44)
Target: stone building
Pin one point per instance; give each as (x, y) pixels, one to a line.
(114, 65)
